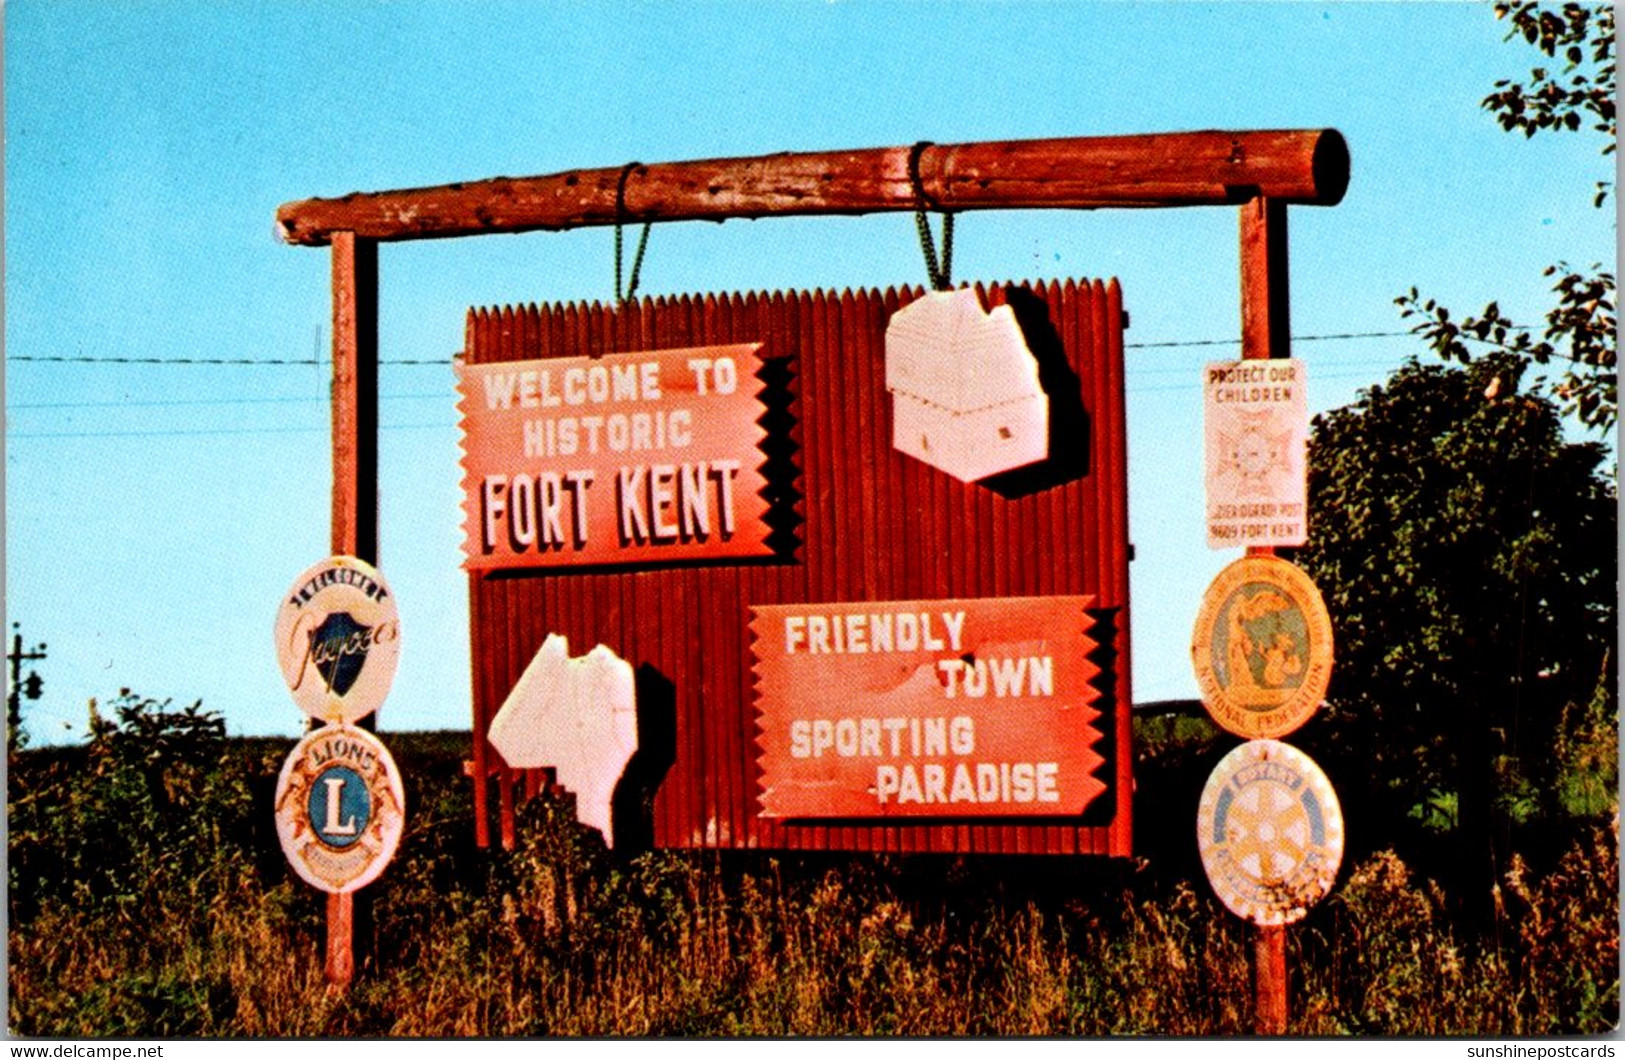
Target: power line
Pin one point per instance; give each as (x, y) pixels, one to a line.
(313, 362)
(174, 402)
(324, 428)
(212, 432)
(247, 362)
(1180, 344)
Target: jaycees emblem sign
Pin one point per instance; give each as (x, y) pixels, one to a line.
(1262, 648)
(927, 708)
(340, 808)
(1270, 831)
(337, 638)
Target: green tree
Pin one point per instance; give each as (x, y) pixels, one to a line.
(1580, 327)
(1467, 555)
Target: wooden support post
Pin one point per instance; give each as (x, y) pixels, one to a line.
(355, 397)
(1213, 168)
(1266, 332)
(355, 478)
(1269, 980)
(340, 967)
(1266, 318)
(505, 779)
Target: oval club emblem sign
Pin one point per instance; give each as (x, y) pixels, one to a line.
(337, 638)
(340, 808)
(1262, 648)
(1270, 831)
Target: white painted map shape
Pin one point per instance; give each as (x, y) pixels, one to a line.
(576, 716)
(965, 392)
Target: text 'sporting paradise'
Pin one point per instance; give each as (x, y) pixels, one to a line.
(952, 707)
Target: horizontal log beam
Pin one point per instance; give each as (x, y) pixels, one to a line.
(1308, 166)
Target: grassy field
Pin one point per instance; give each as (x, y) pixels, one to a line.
(148, 896)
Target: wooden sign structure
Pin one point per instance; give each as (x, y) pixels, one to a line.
(1262, 647)
(1260, 172)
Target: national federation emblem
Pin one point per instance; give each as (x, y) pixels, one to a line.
(340, 808)
(1262, 648)
(337, 639)
(1270, 831)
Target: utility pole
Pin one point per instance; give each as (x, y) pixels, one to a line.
(20, 686)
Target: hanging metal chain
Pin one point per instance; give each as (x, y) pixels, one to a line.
(643, 240)
(938, 270)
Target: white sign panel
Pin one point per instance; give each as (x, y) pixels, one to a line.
(1270, 831)
(1257, 430)
(965, 392)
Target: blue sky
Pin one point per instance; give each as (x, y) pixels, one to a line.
(156, 513)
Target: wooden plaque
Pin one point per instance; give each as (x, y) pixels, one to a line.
(631, 459)
(927, 708)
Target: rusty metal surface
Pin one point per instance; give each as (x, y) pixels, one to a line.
(853, 520)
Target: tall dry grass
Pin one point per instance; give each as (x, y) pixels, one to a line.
(193, 928)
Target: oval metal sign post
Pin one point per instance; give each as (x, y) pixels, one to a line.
(1262, 648)
(340, 808)
(338, 638)
(1270, 831)
(340, 804)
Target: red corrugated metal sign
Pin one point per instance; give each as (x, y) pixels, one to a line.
(1020, 577)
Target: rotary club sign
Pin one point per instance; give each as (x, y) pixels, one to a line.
(1270, 831)
(1262, 648)
(926, 708)
(633, 458)
(340, 808)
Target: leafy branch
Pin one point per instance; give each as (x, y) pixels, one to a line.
(1583, 91)
(1579, 329)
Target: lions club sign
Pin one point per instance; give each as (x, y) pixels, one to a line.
(340, 808)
